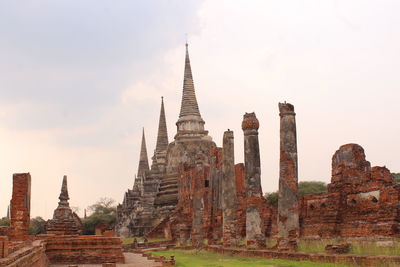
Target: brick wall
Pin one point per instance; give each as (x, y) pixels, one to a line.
(84, 249)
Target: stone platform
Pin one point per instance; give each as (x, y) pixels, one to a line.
(131, 260)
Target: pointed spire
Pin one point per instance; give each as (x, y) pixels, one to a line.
(189, 104)
(64, 197)
(143, 161)
(162, 137)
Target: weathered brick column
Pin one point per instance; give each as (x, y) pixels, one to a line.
(20, 206)
(229, 198)
(255, 236)
(288, 211)
(200, 201)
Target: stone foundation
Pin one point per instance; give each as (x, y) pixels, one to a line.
(32, 255)
(84, 250)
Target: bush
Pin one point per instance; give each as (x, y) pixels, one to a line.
(4, 221)
(36, 226)
(103, 211)
(312, 187)
(396, 177)
(304, 188)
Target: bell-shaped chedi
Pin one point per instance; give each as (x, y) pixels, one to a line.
(190, 124)
(65, 221)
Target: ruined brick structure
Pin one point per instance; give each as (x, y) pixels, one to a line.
(61, 245)
(65, 221)
(288, 208)
(255, 230)
(20, 206)
(361, 201)
(137, 214)
(196, 193)
(229, 193)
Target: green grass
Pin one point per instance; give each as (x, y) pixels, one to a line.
(129, 240)
(189, 258)
(361, 248)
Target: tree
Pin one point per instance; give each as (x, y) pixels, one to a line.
(312, 187)
(103, 211)
(396, 177)
(272, 198)
(75, 209)
(36, 226)
(304, 188)
(4, 221)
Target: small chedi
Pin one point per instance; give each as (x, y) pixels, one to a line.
(195, 192)
(65, 221)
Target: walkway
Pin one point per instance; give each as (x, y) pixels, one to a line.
(131, 260)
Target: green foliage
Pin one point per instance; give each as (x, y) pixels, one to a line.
(312, 187)
(362, 248)
(191, 258)
(36, 226)
(4, 221)
(305, 188)
(272, 198)
(103, 211)
(396, 177)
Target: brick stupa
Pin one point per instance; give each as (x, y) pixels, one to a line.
(65, 221)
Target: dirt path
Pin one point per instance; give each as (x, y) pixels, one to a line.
(131, 260)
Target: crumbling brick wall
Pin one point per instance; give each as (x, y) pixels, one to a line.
(20, 206)
(361, 201)
(84, 250)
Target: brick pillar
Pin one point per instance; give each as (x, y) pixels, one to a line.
(3, 246)
(255, 236)
(288, 212)
(200, 200)
(229, 198)
(20, 206)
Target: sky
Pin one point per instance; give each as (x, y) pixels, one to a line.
(79, 80)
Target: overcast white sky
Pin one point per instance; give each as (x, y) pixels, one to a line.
(79, 80)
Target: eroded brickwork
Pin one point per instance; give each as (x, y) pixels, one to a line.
(361, 201)
(194, 193)
(288, 208)
(255, 231)
(84, 250)
(65, 221)
(20, 206)
(229, 193)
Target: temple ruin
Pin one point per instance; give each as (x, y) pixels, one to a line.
(195, 193)
(63, 242)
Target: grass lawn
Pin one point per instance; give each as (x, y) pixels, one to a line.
(189, 258)
(362, 248)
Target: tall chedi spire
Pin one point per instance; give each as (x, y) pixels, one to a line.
(189, 104)
(162, 136)
(190, 123)
(160, 153)
(143, 160)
